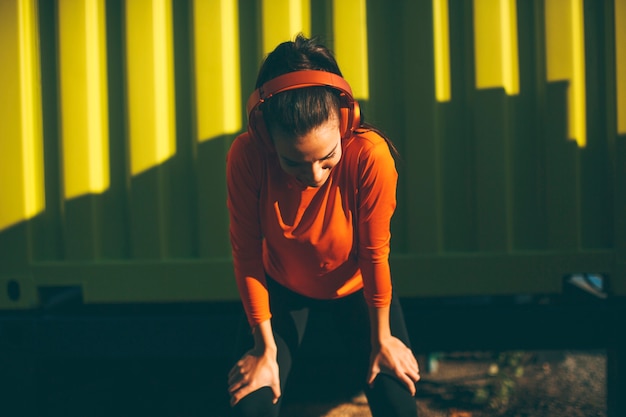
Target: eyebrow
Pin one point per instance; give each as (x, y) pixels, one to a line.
(321, 159)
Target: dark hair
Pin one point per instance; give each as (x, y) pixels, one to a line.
(300, 110)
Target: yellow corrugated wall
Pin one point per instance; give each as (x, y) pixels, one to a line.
(21, 136)
(509, 115)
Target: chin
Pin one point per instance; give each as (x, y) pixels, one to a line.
(312, 185)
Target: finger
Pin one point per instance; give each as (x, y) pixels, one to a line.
(414, 375)
(236, 386)
(409, 372)
(234, 399)
(233, 378)
(240, 393)
(410, 363)
(276, 391)
(408, 382)
(236, 370)
(236, 377)
(413, 369)
(371, 376)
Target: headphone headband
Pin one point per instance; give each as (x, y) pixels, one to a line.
(298, 79)
(349, 112)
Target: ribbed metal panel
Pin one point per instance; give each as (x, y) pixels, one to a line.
(118, 116)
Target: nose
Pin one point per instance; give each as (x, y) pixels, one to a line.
(314, 174)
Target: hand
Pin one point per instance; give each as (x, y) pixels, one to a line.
(394, 358)
(254, 370)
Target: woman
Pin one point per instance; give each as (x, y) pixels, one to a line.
(311, 192)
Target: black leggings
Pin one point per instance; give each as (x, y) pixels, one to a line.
(290, 312)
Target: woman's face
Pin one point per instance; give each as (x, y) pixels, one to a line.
(310, 158)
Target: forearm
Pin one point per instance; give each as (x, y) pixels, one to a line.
(379, 323)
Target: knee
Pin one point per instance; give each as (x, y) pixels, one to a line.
(257, 404)
(389, 397)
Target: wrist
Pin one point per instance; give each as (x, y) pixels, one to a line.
(380, 340)
(264, 342)
(265, 348)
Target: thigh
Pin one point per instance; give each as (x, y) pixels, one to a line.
(351, 316)
(290, 314)
(388, 397)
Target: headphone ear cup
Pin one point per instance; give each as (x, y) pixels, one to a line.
(350, 118)
(257, 127)
(356, 115)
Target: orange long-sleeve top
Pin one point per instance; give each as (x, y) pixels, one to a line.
(323, 243)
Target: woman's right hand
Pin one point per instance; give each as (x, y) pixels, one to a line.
(256, 369)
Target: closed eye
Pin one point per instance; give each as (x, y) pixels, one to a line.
(329, 156)
(288, 162)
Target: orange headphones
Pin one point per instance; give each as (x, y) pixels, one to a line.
(350, 116)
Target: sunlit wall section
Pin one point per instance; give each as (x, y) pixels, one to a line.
(83, 91)
(21, 147)
(351, 44)
(441, 36)
(495, 45)
(283, 19)
(620, 55)
(217, 75)
(565, 59)
(150, 82)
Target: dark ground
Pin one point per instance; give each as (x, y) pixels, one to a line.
(159, 368)
(470, 384)
(462, 384)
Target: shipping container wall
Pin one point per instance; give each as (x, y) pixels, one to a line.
(116, 116)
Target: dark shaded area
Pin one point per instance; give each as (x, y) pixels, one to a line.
(171, 360)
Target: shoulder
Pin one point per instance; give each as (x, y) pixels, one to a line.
(246, 156)
(246, 146)
(366, 144)
(243, 143)
(368, 138)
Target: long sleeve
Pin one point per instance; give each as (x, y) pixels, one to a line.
(323, 243)
(376, 205)
(244, 179)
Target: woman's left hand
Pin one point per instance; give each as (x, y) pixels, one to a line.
(392, 357)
